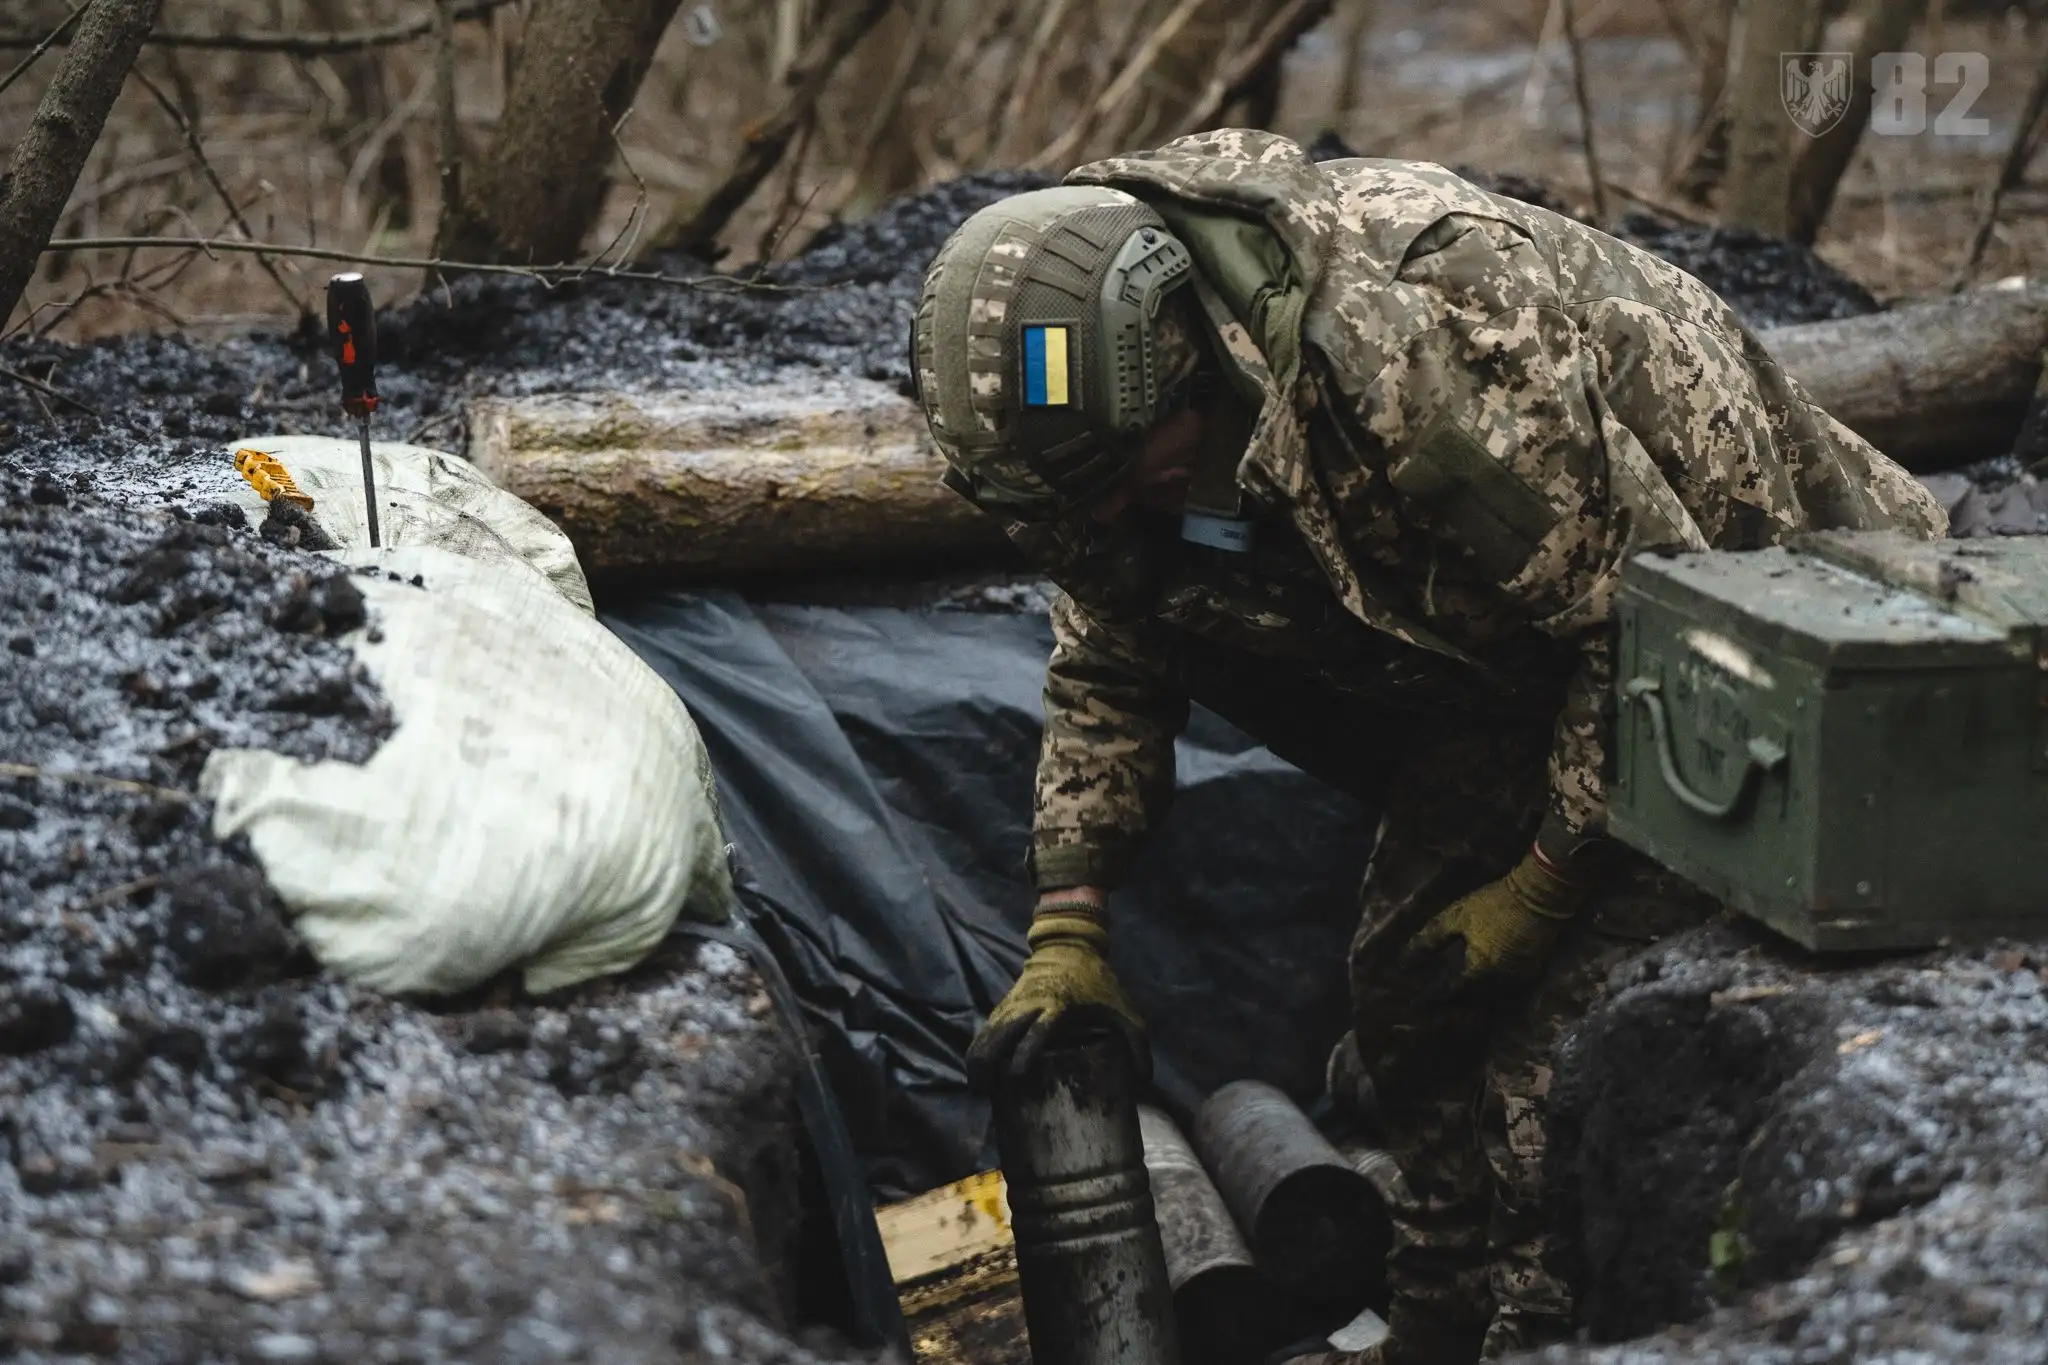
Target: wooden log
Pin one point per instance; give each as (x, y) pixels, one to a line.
(1932, 385)
(811, 472)
(808, 472)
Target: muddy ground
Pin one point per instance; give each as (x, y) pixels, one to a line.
(1849, 1157)
(212, 1151)
(208, 1150)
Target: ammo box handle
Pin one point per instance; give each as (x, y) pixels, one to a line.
(1764, 756)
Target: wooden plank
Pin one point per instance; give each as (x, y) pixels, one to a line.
(947, 1227)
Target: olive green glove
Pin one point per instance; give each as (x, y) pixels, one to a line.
(1066, 985)
(1507, 930)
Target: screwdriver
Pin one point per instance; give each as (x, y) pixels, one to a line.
(352, 331)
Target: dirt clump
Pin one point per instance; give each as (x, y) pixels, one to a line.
(1830, 1159)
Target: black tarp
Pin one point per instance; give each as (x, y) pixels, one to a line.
(874, 767)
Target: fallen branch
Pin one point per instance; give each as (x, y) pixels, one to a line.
(1294, 18)
(1659, 204)
(40, 387)
(544, 274)
(765, 143)
(292, 44)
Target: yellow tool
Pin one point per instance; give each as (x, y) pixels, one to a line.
(269, 477)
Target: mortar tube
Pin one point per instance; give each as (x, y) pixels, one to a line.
(1315, 1224)
(1224, 1308)
(1090, 1264)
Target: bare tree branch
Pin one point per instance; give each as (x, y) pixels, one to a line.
(543, 274)
(1235, 81)
(295, 44)
(198, 151)
(44, 168)
(35, 54)
(2009, 172)
(1121, 89)
(1585, 103)
(842, 29)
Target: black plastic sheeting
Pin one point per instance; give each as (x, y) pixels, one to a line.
(874, 767)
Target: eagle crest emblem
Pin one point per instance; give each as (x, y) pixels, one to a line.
(1815, 88)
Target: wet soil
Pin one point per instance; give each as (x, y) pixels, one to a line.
(1831, 1160)
(210, 1151)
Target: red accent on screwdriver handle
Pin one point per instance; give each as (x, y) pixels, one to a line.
(352, 334)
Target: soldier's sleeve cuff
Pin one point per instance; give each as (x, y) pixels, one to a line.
(1055, 867)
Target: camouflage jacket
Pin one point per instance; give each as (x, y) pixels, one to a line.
(1471, 412)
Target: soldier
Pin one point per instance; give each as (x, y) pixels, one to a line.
(1353, 453)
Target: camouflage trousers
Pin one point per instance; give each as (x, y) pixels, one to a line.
(1475, 1267)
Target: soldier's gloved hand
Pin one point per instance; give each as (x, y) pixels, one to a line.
(1066, 985)
(1500, 935)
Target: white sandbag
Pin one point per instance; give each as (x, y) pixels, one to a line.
(424, 497)
(545, 801)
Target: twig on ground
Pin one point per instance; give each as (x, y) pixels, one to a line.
(2009, 173)
(115, 894)
(220, 188)
(30, 770)
(40, 387)
(1293, 19)
(542, 274)
(293, 44)
(36, 53)
(1691, 217)
(1585, 103)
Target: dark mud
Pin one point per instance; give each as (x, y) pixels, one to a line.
(1849, 1157)
(208, 1150)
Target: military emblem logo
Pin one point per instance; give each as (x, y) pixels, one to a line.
(1815, 87)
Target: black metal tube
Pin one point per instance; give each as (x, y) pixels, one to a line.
(1224, 1308)
(1315, 1224)
(1089, 1260)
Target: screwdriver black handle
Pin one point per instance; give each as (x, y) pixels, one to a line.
(352, 333)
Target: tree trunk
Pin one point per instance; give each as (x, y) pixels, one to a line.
(542, 185)
(1818, 167)
(802, 475)
(1930, 384)
(1757, 190)
(46, 162)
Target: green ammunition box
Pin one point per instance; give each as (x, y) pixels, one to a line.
(1846, 738)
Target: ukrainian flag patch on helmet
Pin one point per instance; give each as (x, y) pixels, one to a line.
(1045, 367)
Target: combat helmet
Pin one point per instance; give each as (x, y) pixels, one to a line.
(1040, 351)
